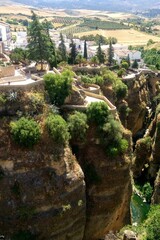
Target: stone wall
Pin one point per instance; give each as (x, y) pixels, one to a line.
(37, 85)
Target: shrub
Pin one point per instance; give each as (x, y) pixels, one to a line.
(98, 113)
(125, 65)
(121, 72)
(99, 80)
(2, 99)
(111, 138)
(153, 223)
(121, 90)
(57, 128)
(25, 132)
(147, 191)
(58, 87)
(135, 64)
(77, 124)
(86, 79)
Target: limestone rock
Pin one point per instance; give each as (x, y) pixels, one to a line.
(129, 235)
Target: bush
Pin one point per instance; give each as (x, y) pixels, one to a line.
(86, 79)
(57, 129)
(121, 90)
(25, 132)
(77, 124)
(111, 138)
(98, 113)
(147, 191)
(125, 65)
(58, 87)
(153, 223)
(99, 80)
(121, 72)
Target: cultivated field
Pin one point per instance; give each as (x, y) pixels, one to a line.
(126, 36)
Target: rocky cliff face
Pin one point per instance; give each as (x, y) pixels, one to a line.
(43, 194)
(42, 191)
(108, 189)
(156, 193)
(138, 99)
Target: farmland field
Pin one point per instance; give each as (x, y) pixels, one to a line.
(125, 36)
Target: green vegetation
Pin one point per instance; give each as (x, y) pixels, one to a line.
(112, 138)
(153, 223)
(135, 64)
(2, 99)
(73, 53)
(62, 49)
(25, 132)
(19, 55)
(121, 90)
(107, 25)
(57, 129)
(58, 86)
(150, 228)
(151, 57)
(40, 46)
(98, 113)
(85, 55)
(110, 53)
(100, 54)
(99, 39)
(77, 124)
(147, 191)
(139, 209)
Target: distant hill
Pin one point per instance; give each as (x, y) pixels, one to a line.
(110, 5)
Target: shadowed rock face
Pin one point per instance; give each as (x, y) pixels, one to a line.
(41, 191)
(108, 190)
(156, 194)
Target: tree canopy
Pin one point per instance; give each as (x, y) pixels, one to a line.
(58, 87)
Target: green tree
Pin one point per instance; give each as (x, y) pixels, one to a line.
(98, 113)
(73, 53)
(100, 54)
(57, 129)
(77, 124)
(19, 55)
(111, 138)
(62, 49)
(147, 191)
(153, 223)
(121, 90)
(110, 53)
(25, 132)
(94, 60)
(135, 64)
(85, 55)
(58, 87)
(38, 41)
(79, 59)
(124, 65)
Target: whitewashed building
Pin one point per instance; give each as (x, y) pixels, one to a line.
(5, 34)
(123, 54)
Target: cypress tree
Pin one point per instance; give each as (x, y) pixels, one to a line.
(110, 53)
(73, 52)
(62, 49)
(85, 50)
(38, 41)
(100, 54)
